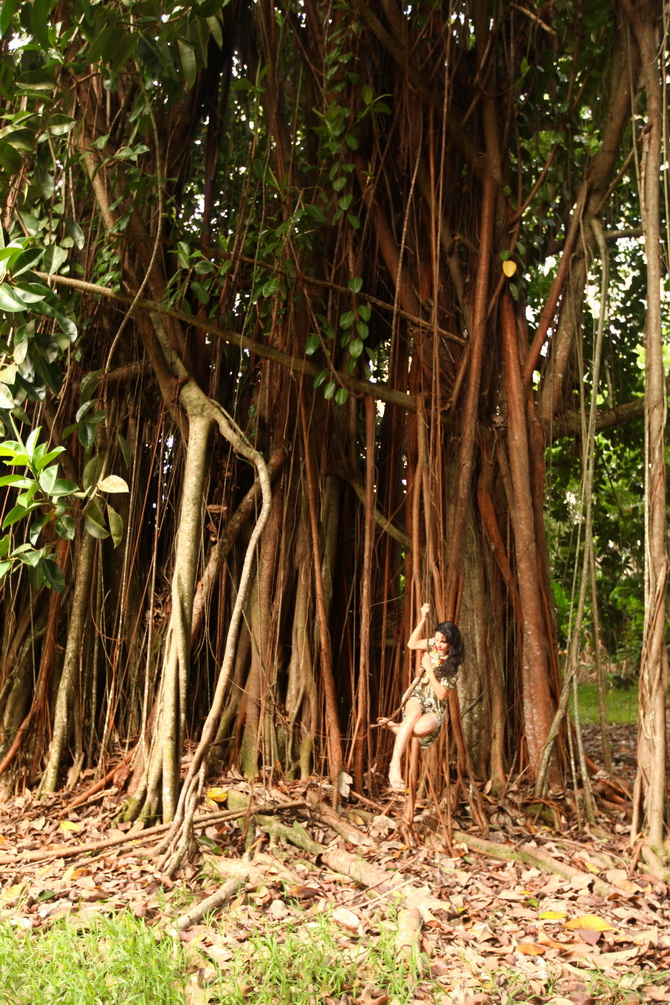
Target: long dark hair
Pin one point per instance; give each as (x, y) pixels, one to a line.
(448, 668)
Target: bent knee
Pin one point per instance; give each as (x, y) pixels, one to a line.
(426, 725)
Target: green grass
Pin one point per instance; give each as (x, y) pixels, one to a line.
(301, 965)
(116, 960)
(621, 704)
(298, 961)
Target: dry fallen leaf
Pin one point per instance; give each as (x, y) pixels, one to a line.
(193, 993)
(69, 825)
(347, 919)
(530, 949)
(217, 794)
(590, 922)
(371, 995)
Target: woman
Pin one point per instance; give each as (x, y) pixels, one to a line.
(425, 709)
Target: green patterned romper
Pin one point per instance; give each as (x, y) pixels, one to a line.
(430, 703)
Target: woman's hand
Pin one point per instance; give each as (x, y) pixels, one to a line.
(417, 639)
(439, 690)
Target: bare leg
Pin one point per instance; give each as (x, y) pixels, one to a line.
(403, 731)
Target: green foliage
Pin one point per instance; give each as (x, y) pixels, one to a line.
(301, 964)
(116, 960)
(621, 703)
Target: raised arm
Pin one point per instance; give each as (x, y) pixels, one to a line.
(417, 639)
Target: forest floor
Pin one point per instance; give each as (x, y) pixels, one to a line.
(568, 917)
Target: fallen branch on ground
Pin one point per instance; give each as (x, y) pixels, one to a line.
(140, 836)
(533, 857)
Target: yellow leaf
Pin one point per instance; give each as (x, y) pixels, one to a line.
(589, 923)
(552, 915)
(509, 268)
(217, 794)
(14, 892)
(529, 949)
(69, 825)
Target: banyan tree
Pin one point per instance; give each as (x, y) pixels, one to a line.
(296, 298)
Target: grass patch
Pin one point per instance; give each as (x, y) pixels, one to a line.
(299, 961)
(301, 965)
(621, 704)
(116, 960)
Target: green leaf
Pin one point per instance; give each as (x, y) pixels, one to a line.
(112, 483)
(320, 377)
(92, 473)
(347, 319)
(65, 527)
(355, 285)
(317, 214)
(95, 522)
(28, 556)
(7, 9)
(54, 257)
(31, 442)
(330, 389)
(215, 27)
(89, 385)
(353, 220)
(115, 525)
(367, 93)
(41, 12)
(48, 478)
(59, 124)
(6, 397)
(9, 301)
(15, 514)
(355, 348)
(36, 527)
(312, 343)
(37, 80)
(86, 433)
(44, 181)
(4, 568)
(125, 449)
(42, 462)
(63, 487)
(200, 292)
(341, 395)
(17, 481)
(28, 259)
(76, 233)
(53, 574)
(84, 409)
(188, 61)
(10, 159)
